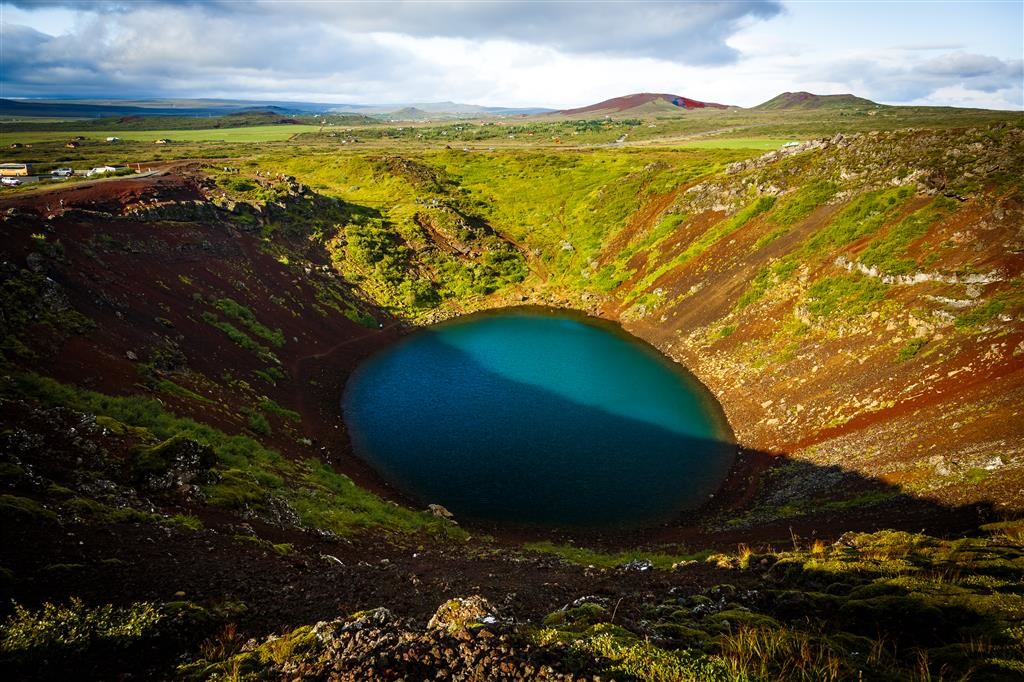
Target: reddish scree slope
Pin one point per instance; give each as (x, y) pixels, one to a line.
(628, 102)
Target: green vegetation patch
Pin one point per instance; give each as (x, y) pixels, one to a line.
(29, 303)
(911, 348)
(845, 295)
(239, 312)
(170, 388)
(93, 640)
(862, 217)
(16, 508)
(887, 253)
(271, 407)
(589, 557)
(767, 277)
(629, 656)
(246, 474)
(242, 339)
(330, 500)
(794, 207)
(980, 315)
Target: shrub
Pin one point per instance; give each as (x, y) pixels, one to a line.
(911, 348)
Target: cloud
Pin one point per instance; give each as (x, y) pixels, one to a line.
(974, 71)
(558, 54)
(894, 81)
(683, 31)
(159, 50)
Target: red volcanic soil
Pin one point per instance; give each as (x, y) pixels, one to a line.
(146, 280)
(628, 102)
(108, 195)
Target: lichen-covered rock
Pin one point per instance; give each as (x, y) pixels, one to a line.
(460, 613)
(174, 463)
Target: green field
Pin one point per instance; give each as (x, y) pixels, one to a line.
(268, 133)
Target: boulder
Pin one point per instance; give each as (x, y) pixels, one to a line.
(440, 512)
(176, 462)
(461, 613)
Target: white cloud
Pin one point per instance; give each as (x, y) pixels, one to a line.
(558, 54)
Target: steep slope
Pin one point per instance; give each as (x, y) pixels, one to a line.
(643, 102)
(807, 100)
(840, 296)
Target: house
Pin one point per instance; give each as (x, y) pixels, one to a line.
(113, 139)
(73, 144)
(13, 169)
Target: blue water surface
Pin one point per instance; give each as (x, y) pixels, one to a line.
(541, 417)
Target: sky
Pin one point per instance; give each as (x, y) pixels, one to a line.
(549, 53)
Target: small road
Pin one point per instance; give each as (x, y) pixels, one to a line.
(57, 184)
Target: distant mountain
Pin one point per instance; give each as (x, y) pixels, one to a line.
(408, 114)
(155, 107)
(807, 100)
(107, 108)
(436, 110)
(643, 103)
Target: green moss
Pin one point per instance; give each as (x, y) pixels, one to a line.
(242, 314)
(911, 348)
(626, 655)
(239, 337)
(271, 407)
(862, 217)
(257, 423)
(10, 473)
(236, 488)
(976, 475)
(887, 253)
(794, 207)
(331, 500)
(186, 521)
(589, 557)
(105, 513)
(767, 277)
(844, 295)
(14, 507)
(170, 388)
(979, 316)
(156, 460)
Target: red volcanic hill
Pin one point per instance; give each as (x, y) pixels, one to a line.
(643, 101)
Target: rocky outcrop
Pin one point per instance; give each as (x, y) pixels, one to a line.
(376, 645)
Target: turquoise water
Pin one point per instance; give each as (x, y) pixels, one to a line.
(540, 417)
